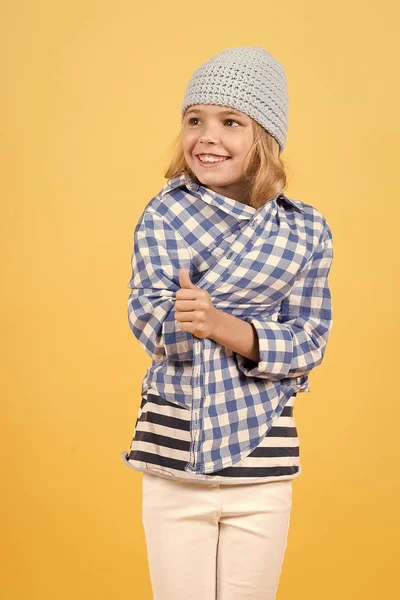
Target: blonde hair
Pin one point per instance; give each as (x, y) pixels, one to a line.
(265, 176)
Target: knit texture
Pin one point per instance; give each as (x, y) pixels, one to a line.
(249, 79)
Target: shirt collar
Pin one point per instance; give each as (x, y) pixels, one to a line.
(238, 209)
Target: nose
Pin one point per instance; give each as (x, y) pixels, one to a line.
(208, 134)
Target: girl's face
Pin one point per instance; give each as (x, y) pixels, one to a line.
(218, 131)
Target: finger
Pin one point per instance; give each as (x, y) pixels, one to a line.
(185, 316)
(184, 305)
(186, 294)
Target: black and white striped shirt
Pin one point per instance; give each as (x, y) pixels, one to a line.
(161, 442)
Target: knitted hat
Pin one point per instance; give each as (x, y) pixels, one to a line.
(248, 79)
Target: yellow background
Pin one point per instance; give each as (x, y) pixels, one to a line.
(89, 107)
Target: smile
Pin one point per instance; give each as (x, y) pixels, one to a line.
(212, 161)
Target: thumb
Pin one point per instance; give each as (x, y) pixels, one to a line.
(184, 279)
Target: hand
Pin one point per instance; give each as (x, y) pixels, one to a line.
(194, 309)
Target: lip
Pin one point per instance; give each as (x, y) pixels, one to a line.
(211, 165)
(212, 154)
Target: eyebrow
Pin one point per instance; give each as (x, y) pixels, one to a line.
(222, 112)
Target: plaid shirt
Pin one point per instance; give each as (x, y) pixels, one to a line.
(267, 266)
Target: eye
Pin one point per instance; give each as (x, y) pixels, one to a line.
(190, 121)
(232, 121)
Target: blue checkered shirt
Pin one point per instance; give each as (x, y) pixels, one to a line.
(267, 266)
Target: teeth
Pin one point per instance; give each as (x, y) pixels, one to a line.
(211, 158)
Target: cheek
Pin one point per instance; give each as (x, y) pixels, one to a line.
(239, 148)
(187, 149)
(187, 140)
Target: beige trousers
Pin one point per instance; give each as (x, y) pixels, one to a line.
(215, 542)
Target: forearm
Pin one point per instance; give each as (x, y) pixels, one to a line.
(237, 335)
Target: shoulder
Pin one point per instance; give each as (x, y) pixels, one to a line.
(163, 218)
(169, 204)
(314, 221)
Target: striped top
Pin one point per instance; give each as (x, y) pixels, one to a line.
(161, 442)
(267, 266)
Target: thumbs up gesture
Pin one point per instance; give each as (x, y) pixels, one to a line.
(194, 309)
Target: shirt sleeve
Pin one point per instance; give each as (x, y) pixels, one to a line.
(158, 254)
(295, 344)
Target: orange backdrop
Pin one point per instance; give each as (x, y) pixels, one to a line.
(91, 92)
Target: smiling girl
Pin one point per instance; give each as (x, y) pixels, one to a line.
(230, 299)
(216, 144)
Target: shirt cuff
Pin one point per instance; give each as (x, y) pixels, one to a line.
(276, 351)
(178, 344)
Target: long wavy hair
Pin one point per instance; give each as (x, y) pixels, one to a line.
(265, 176)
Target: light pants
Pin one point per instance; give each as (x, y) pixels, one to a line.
(215, 542)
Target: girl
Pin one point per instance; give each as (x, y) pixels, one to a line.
(230, 299)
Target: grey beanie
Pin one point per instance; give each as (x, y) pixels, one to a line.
(249, 79)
